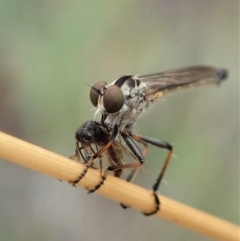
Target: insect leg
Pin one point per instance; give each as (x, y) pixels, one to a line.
(161, 144)
(135, 152)
(134, 172)
(118, 168)
(98, 155)
(113, 160)
(103, 178)
(89, 163)
(77, 152)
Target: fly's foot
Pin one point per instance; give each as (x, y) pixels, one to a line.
(157, 201)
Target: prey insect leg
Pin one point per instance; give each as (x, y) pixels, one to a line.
(118, 166)
(103, 178)
(98, 155)
(87, 160)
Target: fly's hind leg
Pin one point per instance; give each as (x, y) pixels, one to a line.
(162, 144)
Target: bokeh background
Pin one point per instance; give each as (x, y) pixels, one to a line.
(51, 50)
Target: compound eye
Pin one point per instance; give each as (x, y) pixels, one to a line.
(113, 99)
(95, 91)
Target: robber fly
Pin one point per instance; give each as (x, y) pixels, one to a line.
(122, 102)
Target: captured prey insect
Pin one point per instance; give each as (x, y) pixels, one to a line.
(121, 103)
(92, 140)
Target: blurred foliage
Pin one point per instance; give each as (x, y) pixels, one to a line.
(51, 51)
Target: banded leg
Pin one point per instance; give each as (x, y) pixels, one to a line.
(118, 166)
(133, 149)
(89, 161)
(87, 166)
(113, 160)
(103, 178)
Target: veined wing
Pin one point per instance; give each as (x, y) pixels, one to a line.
(160, 83)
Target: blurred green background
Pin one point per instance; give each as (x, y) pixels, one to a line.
(51, 50)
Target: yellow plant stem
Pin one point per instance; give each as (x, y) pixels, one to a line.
(59, 167)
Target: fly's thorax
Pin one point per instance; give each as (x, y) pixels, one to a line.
(126, 117)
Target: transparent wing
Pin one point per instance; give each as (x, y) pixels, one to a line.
(159, 83)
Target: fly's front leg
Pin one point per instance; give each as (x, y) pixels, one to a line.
(161, 144)
(134, 172)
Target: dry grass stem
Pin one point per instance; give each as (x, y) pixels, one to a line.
(59, 167)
